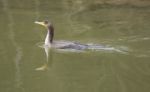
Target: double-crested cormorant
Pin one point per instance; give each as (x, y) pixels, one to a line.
(69, 45)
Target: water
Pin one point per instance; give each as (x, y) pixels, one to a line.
(25, 67)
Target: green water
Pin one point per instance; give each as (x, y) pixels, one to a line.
(123, 27)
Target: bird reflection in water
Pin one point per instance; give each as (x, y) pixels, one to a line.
(49, 59)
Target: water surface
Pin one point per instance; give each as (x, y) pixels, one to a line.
(123, 27)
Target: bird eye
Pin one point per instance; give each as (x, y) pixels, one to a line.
(45, 22)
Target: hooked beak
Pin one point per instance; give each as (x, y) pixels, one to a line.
(40, 23)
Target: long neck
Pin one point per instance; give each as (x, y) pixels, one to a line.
(50, 35)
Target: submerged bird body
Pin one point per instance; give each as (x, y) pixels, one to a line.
(68, 45)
